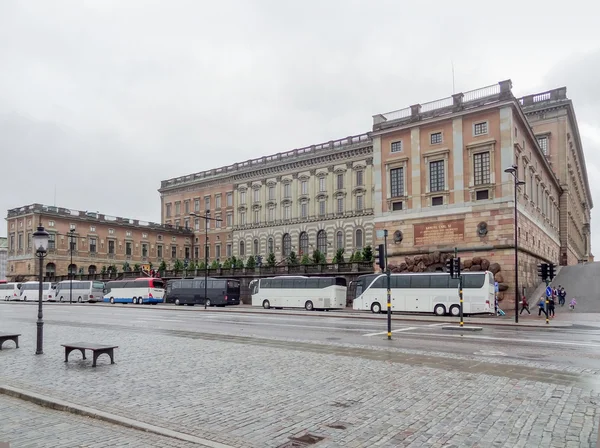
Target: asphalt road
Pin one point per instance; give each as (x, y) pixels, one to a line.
(577, 346)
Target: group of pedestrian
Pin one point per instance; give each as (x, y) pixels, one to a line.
(558, 294)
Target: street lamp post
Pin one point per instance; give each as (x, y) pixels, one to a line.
(71, 235)
(40, 243)
(206, 219)
(515, 174)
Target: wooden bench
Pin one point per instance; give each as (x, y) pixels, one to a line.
(9, 337)
(96, 349)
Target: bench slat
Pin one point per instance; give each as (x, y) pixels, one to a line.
(89, 346)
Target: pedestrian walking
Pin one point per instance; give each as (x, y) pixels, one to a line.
(541, 307)
(551, 304)
(562, 295)
(524, 306)
(572, 303)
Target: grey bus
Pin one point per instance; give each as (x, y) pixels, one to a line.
(219, 291)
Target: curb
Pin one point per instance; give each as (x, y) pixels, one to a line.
(64, 406)
(351, 315)
(464, 328)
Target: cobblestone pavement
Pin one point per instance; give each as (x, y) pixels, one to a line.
(251, 392)
(27, 425)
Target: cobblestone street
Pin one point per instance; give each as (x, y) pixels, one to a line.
(249, 391)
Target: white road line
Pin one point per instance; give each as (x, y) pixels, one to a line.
(405, 329)
(393, 331)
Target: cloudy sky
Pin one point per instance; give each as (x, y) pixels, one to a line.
(101, 100)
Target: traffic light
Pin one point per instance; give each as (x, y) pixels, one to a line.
(551, 272)
(450, 267)
(456, 267)
(380, 256)
(543, 270)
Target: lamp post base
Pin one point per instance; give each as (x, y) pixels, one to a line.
(40, 338)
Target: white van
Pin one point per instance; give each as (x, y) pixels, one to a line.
(10, 291)
(30, 291)
(80, 291)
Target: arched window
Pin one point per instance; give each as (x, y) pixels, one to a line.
(72, 269)
(50, 270)
(339, 240)
(91, 269)
(270, 246)
(256, 249)
(358, 242)
(286, 245)
(242, 249)
(303, 243)
(322, 242)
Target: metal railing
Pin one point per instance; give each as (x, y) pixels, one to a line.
(477, 94)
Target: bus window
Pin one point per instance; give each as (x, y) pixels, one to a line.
(419, 281)
(276, 283)
(265, 283)
(379, 283)
(299, 283)
(473, 281)
(158, 284)
(340, 281)
(439, 281)
(400, 281)
(453, 283)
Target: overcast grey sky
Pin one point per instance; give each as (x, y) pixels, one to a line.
(104, 99)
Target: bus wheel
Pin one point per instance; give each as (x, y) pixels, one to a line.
(455, 310)
(207, 302)
(79, 300)
(266, 305)
(309, 306)
(376, 308)
(134, 300)
(177, 302)
(439, 310)
(112, 300)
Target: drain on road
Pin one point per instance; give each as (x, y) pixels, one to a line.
(301, 441)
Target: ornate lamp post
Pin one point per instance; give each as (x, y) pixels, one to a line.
(206, 218)
(513, 170)
(40, 243)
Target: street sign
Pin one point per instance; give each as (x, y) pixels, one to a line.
(548, 291)
(496, 287)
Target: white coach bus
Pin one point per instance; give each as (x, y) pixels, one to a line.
(426, 293)
(80, 291)
(310, 293)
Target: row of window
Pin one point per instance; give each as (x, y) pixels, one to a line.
(470, 281)
(303, 210)
(187, 204)
(435, 138)
(301, 283)
(304, 247)
(287, 187)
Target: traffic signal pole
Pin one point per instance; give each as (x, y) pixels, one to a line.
(388, 276)
(547, 302)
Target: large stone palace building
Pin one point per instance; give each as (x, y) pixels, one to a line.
(440, 181)
(318, 197)
(92, 240)
(433, 175)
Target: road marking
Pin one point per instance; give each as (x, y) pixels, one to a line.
(405, 329)
(393, 331)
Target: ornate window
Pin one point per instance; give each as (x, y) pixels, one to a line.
(359, 240)
(436, 176)
(397, 182)
(256, 247)
(481, 168)
(322, 184)
(303, 243)
(322, 242)
(242, 249)
(270, 246)
(339, 240)
(286, 245)
(340, 181)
